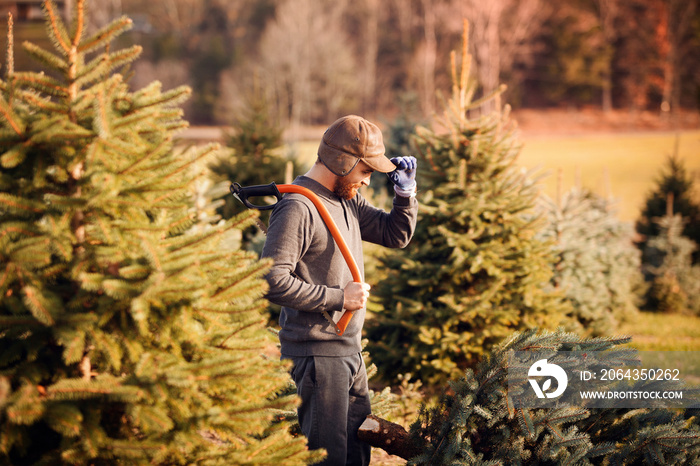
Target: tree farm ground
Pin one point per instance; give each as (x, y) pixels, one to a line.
(617, 155)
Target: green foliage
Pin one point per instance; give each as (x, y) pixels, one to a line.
(598, 266)
(474, 270)
(256, 158)
(675, 281)
(475, 422)
(674, 194)
(127, 335)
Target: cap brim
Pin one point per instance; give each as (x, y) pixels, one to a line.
(380, 164)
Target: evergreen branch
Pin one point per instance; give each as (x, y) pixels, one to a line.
(35, 100)
(14, 156)
(73, 342)
(42, 83)
(183, 223)
(190, 242)
(80, 23)
(98, 68)
(151, 253)
(38, 305)
(133, 119)
(94, 70)
(204, 153)
(65, 203)
(44, 56)
(65, 419)
(58, 128)
(57, 31)
(105, 35)
(101, 120)
(240, 329)
(228, 308)
(71, 389)
(8, 137)
(170, 127)
(20, 206)
(83, 102)
(173, 195)
(134, 446)
(151, 97)
(27, 407)
(17, 321)
(124, 56)
(20, 229)
(160, 150)
(7, 276)
(10, 117)
(252, 273)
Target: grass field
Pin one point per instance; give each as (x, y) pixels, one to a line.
(669, 341)
(663, 332)
(624, 166)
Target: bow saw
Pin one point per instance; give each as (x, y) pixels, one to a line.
(272, 189)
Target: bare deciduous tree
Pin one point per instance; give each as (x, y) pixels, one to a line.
(370, 55)
(675, 23)
(308, 60)
(107, 11)
(608, 12)
(429, 57)
(500, 30)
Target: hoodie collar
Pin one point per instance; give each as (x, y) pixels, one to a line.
(318, 189)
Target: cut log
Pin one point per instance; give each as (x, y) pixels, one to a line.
(390, 437)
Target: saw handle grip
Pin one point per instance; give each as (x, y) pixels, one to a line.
(256, 191)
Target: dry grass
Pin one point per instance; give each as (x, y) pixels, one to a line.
(623, 166)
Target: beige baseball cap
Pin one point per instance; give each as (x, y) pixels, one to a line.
(351, 139)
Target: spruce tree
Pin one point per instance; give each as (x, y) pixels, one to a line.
(474, 271)
(675, 185)
(256, 157)
(475, 421)
(127, 336)
(675, 281)
(598, 268)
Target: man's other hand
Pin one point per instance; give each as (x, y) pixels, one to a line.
(356, 295)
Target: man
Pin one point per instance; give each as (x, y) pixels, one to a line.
(310, 276)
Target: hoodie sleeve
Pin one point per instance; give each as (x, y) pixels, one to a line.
(289, 235)
(390, 229)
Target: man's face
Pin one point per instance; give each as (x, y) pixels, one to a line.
(346, 186)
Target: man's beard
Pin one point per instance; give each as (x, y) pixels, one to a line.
(346, 190)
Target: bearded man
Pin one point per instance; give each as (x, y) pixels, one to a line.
(310, 279)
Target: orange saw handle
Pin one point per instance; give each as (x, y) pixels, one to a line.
(276, 190)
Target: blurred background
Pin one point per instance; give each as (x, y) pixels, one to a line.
(605, 94)
(575, 71)
(314, 60)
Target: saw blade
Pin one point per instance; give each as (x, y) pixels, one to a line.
(330, 320)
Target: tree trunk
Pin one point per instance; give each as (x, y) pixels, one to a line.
(430, 56)
(388, 436)
(369, 97)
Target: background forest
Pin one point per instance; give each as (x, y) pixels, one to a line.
(133, 324)
(315, 60)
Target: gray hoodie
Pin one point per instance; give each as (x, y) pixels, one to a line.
(309, 272)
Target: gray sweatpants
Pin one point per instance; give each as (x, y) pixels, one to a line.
(334, 403)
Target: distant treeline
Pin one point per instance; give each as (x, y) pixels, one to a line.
(313, 60)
